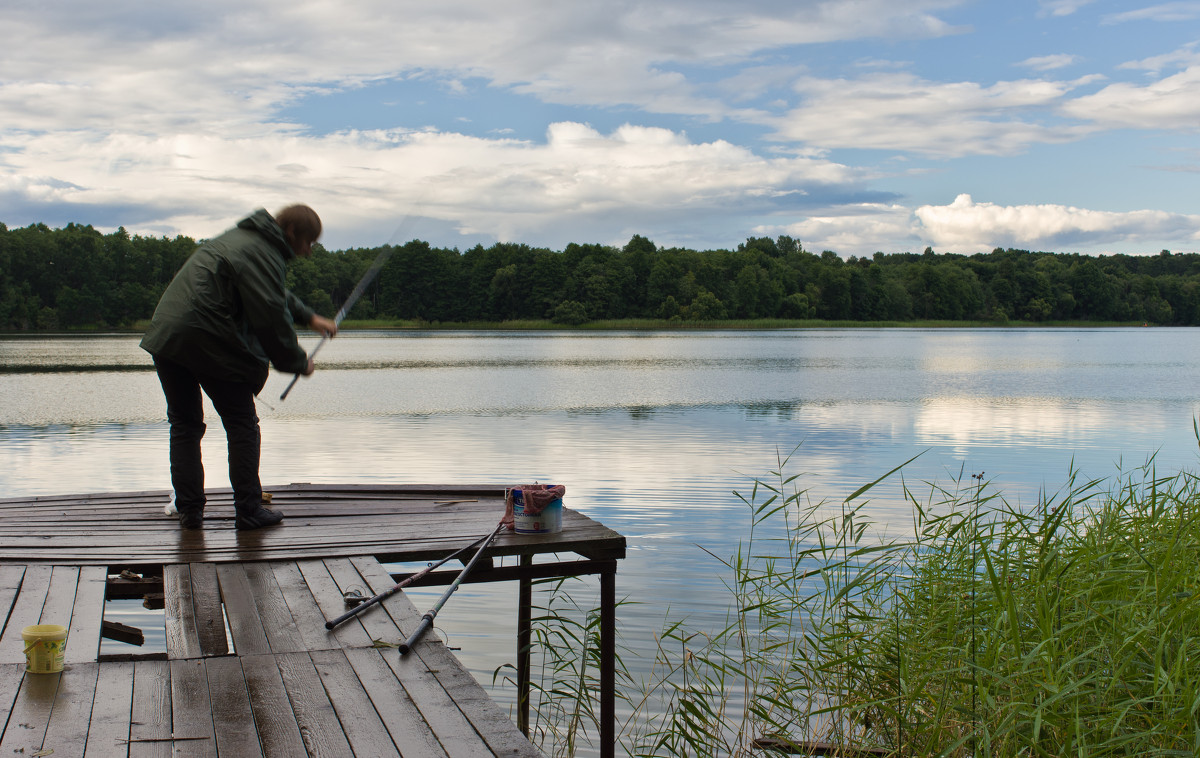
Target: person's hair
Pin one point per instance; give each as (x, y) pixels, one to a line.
(300, 222)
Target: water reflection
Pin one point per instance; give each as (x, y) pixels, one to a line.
(651, 432)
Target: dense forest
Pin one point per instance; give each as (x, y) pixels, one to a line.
(77, 277)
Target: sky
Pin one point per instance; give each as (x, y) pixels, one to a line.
(857, 126)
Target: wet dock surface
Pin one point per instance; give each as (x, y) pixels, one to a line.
(249, 667)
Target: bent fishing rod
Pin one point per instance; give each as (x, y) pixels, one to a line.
(359, 289)
(427, 619)
(401, 585)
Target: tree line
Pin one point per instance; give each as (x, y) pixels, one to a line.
(77, 277)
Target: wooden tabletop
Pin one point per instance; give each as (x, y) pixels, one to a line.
(393, 523)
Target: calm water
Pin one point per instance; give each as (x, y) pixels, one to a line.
(650, 432)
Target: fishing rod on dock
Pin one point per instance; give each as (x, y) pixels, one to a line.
(427, 619)
(401, 585)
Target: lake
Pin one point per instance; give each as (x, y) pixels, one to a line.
(651, 432)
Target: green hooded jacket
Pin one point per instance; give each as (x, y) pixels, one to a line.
(228, 312)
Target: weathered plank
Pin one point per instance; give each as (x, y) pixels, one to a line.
(67, 731)
(310, 622)
(249, 637)
(232, 716)
(26, 610)
(315, 715)
(277, 727)
(191, 709)
(179, 613)
(361, 724)
(396, 709)
(283, 636)
(11, 675)
(329, 599)
(10, 586)
(108, 730)
(30, 715)
(83, 643)
(456, 684)
(151, 719)
(209, 615)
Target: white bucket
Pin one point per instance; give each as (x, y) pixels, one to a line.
(549, 521)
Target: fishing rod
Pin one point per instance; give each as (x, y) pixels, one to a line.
(399, 586)
(359, 289)
(427, 619)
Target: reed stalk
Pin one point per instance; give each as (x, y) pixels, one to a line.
(1071, 628)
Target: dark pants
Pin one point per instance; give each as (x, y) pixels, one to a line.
(234, 402)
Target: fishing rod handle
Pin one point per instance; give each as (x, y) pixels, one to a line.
(426, 622)
(296, 378)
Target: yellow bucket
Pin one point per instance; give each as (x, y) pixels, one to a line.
(45, 646)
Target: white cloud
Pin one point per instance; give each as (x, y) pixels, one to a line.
(1049, 62)
(1163, 12)
(1062, 7)
(860, 229)
(966, 226)
(900, 111)
(504, 188)
(1169, 103)
(236, 63)
(1182, 58)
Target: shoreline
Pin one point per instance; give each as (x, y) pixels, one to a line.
(633, 325)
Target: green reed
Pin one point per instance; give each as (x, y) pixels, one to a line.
(1067, 628)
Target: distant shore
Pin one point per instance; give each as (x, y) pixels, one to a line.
(639, 325)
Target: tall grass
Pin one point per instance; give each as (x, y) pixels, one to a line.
(1068, 628)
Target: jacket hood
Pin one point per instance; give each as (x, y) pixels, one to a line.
(266, 225)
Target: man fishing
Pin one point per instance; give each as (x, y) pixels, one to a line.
(224, 319)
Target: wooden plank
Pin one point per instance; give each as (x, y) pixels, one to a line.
(233, 719)
(10, 587)
(26, 729)
(67, 732)
(179, 614)
(209, 613)
(377, 624)
(151, 716)
(282, 632)
(455, 683)
(278, 733)
(60, 596)
(450, 726)
(310, 622)
(361, 724)
(329, 599)
(396, 709)
(191, 714)
(27, 610)
(108, 732)
(249, 638)
(83, 643)
(319, 725)
(11, 675)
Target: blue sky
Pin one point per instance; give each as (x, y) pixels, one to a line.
(852, 125)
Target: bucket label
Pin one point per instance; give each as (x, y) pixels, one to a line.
(549, 521)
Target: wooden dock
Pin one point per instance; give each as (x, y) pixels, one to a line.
(249, 667)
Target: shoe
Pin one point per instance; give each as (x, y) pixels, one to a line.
(256, 519)
(191, 519)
